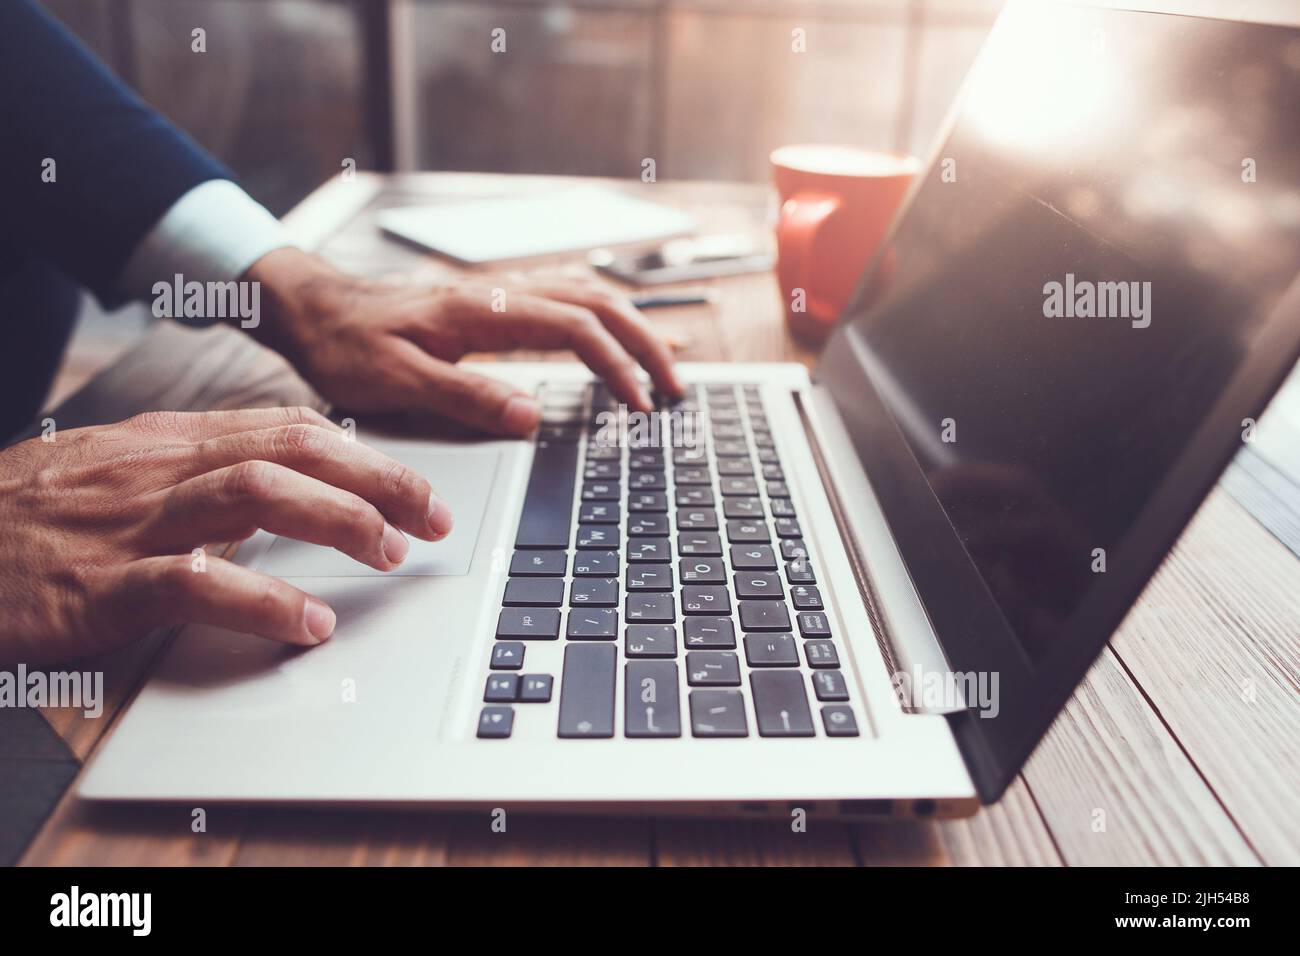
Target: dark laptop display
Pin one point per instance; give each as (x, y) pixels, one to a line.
(1090, 294)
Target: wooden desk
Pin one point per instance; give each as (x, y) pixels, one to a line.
(1179, 748)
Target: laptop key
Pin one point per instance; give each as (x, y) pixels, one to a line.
(650, 640)
(737, 508)
(539, 563)
(830, 685)
(771, 650)
(793, 549)
(739, 486)
(647, 526)
(507, 656)
(764, 616)
(806, 598)
(535, 688)
(705, 599)
(696, 519)
(600, 470)
(788, 528)
(650, 608)
(693, 497)
(647, 481)
(813, 624)
(501, 688)
(839, 721)
(595, 536)
(778, 489)
(758, 585)
(529, 623)
(534, 592)
(548, 502)
(767, 456)
(752, 557)
(782, 508)
(692, 476)
(743, 532)
(718, 713)
(781, 704)
(712, 633)
(712, 669)
(593, 624)
(649, 459)
(587, 691)
(593, 592)
(702, 571)
(739, 467)
(800, 571)
(821, 654)
(595, 564)
(601, 491)
(650, 577)
(650, 707)
(647, 501)
(649, 551)
(598, 512)
(495, 722)
(705, 544)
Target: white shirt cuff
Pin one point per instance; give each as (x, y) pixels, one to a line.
(211, 234)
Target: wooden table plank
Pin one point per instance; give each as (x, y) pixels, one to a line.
(1215, 646)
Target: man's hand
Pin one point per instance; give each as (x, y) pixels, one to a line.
(100, 525)
(373, 346)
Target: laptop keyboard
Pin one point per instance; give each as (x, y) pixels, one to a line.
(672, 538)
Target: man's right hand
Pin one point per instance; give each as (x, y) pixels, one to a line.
(100, 525)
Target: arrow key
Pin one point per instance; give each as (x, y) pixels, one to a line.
(496, 722)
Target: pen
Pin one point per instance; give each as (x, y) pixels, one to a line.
(663, 300)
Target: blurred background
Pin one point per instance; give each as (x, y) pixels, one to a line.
(289, 89)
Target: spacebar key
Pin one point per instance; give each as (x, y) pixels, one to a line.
(548, 503)
(587, 691)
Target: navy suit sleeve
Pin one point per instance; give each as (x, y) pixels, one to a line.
(119, 165)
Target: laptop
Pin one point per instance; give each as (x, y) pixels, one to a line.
(863, 591)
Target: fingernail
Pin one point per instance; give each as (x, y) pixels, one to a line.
(320, 619)
(440, 518)
(647, 403)
(395, 545)
(520, 414)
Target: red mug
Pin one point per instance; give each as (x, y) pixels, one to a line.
(836, 203)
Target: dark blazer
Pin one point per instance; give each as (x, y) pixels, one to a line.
(117, 167)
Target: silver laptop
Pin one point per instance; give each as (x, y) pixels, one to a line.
(865, 591)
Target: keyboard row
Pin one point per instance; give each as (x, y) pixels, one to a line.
(651, 698)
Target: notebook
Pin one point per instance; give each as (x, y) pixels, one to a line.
(516, 227)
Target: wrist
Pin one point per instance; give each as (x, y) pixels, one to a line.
(295, 291)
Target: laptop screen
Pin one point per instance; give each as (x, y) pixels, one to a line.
(1097, 253)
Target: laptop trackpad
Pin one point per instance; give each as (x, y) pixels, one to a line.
(462, 477)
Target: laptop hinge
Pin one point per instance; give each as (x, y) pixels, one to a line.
(902, 629)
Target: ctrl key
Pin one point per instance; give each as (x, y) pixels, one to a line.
(496, 722)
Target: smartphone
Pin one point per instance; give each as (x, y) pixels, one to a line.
(686, 260)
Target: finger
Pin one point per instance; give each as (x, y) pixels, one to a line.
(476, 400)
(628, 325)
(231, 503)
(401, 495)
(536, 322)
(197, 426)
(177, 589)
